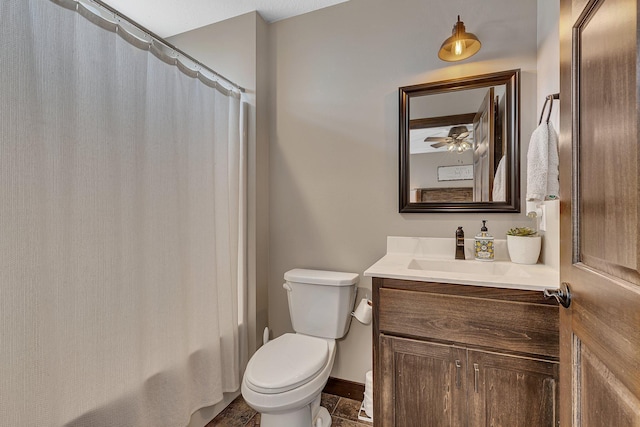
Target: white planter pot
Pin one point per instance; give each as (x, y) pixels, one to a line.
(524, 250)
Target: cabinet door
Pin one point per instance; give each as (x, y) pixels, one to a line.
(422, 384)
(511, 391)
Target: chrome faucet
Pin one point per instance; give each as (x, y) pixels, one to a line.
(459, 243)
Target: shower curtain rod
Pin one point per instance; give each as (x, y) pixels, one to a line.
(159, 39)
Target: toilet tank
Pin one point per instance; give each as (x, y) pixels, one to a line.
(321, 302)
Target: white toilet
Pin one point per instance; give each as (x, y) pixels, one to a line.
(285, 377)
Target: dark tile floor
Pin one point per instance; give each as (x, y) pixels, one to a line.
(344, 413)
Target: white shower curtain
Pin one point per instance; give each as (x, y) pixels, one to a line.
(121, 226)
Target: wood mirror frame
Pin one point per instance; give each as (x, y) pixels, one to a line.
(511, 122)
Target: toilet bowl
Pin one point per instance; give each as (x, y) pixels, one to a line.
(285, 377)
(288, 393)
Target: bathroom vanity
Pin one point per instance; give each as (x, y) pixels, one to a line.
(462, 343)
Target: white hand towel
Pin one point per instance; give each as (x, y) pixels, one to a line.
(553, 176)
(499, 187)
(542, 164)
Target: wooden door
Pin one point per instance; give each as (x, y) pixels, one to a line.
(600, 243)
(483, 146)
(423, 384)
(511, 391)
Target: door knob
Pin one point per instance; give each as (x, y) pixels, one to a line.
(562, 294)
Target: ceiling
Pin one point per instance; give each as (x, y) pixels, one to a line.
(170, 17)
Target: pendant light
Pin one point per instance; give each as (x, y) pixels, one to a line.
(461, 45)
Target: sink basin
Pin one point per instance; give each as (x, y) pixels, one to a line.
(468, 267)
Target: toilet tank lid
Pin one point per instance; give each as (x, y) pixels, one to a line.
(321, 277)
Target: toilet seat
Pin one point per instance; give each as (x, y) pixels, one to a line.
(286, 363)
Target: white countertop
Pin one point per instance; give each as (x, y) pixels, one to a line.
(430, 259)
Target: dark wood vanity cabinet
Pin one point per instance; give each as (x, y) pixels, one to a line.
(419, 383)
(458, 355)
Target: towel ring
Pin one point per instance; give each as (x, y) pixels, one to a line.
(544, 106)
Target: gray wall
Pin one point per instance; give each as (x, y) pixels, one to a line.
(549, 83)
(424, 169)
(334, 75)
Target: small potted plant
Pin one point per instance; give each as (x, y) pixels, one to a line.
(523, 244)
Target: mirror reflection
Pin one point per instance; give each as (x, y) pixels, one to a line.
(459, 143)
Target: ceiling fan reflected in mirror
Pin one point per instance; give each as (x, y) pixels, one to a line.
(457, 140)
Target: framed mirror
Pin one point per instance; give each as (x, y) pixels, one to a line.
(460, 145)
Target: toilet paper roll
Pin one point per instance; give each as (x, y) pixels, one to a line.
(368, 408)
(368, 391)
(364, 311)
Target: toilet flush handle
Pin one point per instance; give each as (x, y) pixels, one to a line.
(287, 287)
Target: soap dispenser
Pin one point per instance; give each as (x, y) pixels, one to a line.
(459, 243)
(484, 248)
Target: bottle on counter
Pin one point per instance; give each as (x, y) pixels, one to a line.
(484, 248)
(459, 243)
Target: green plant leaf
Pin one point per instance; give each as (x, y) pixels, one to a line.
(522, 231)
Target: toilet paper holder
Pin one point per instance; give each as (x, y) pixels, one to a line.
(364, 311)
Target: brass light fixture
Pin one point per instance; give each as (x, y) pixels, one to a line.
(461, 45)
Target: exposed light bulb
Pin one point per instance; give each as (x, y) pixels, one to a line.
(461, 45)
(459, 147)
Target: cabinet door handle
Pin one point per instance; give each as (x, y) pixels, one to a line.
(476, 376)
(458, 366)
